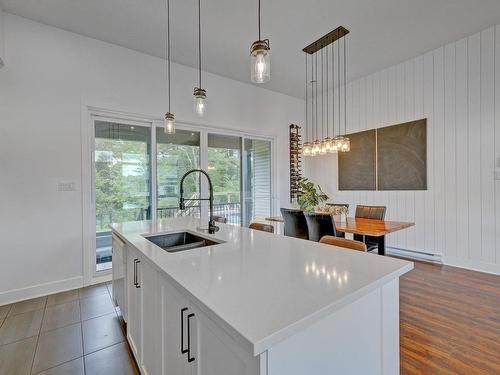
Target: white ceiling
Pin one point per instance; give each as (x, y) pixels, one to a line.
(383, 32)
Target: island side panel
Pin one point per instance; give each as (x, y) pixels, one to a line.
(360, 338)
(390, 327)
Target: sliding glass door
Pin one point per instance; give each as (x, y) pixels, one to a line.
(224, 168)
(122, 181)
(137, 170)
(175, 155)
(257, 188)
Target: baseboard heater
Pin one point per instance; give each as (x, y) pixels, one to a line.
(405, 253)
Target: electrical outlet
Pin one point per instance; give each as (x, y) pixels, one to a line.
(66, 186)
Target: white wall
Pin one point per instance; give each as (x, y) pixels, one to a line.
(2, 57)
(51, 77)
(454, 87)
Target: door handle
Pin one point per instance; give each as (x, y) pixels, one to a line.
(183, 351)
(137, 285)
(190, 359)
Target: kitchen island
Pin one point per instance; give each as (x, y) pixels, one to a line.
(252, 302)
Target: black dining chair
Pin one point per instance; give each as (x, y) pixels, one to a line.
(319, 225)
(295, 224)
(369, 212)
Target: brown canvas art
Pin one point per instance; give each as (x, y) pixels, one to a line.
(402, 156)
(357, 168)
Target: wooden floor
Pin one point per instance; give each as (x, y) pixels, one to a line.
(450, 321)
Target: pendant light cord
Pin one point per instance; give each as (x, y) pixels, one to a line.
(322, 95)
(316, 95)
(340, 87)
(259, 19)
(307, 104)
(168, 51)
(199, 40)
(333, 89)
(327, 84)
(345, 88)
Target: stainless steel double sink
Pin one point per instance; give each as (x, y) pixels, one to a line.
(180, 241)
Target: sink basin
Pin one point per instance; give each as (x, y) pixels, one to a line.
(180, 241)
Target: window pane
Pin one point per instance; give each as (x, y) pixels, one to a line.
(257, 179)
(224, 168)
(122, 181)
(176, 154)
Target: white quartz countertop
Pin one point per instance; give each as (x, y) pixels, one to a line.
(264, 287)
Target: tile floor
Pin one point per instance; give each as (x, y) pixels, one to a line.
(76, 332)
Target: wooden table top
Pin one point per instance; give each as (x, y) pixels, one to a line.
(366, 227)
(369, 227)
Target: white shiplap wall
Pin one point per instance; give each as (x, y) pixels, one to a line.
(453, 87)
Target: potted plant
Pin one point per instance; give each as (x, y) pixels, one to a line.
(311, 196)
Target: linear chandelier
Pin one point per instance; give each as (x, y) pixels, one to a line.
(328, 76)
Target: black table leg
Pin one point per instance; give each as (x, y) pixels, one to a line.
(381, 245)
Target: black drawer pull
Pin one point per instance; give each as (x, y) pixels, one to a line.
(135, 272)
(183, 351)
(190, 359)
(137, 285)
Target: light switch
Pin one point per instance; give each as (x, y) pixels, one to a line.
(66, 186)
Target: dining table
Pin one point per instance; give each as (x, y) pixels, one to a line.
(362, 226)
(370, 227)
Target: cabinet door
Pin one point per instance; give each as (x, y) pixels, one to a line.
(151, 319)
(175, 315)
(118, 271)
(218, 353)
(134, 305)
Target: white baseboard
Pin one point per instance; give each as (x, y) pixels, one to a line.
(436, 258)
(39, 290)
(475, 265)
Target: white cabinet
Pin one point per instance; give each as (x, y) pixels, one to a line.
(119, 270)
(175, 338)
(134, 308)
(151, 319)
(168, 333)
(195, 345)
(144, 313)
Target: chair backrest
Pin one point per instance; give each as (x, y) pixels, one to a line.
(343, 242)
(220, 219)
(262, 227)
(371, 212)
(295, 224)
(319, 225)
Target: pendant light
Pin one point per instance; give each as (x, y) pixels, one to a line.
(169, 122)
(260, 68)
(200, 95)
(316, 144)
(323, 143)
(306, 149)
(346, 144)
(327, 140)
(323, 149)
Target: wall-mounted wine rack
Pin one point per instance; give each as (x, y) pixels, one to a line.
(295, 161)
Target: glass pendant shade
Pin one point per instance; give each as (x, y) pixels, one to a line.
(260, 67)
(322, 149)
(200, 101)
(328, 144)
(169, 123)
(306, 150)
(316, 148)
(346, 145)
